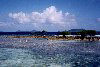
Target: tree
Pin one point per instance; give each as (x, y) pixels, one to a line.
(85, 33)
(44, 32)
(91, 32)
(64, 33)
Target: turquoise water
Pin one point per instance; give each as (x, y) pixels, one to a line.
(30, 52)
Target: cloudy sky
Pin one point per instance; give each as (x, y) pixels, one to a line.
(50, 15)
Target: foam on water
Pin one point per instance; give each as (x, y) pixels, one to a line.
(29, 52)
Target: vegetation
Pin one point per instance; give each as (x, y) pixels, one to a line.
(85, 33)
(43, 32)
(64, 33)
(91, 32)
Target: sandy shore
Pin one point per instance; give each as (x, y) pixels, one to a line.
(59, 38)
(48, 37)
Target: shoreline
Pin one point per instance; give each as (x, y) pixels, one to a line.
(67, 38)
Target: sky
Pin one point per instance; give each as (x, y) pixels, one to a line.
(49, 15)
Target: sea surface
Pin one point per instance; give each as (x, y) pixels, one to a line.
(39, 52)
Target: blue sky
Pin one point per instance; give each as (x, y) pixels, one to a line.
(50, 15)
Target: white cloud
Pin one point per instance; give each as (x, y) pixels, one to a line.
(20, 17)
(50, 17)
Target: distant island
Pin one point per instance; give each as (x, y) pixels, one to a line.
(73, 34)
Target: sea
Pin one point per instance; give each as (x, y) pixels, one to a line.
(40, 52)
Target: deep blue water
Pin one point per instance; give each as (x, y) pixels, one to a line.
(31, 52)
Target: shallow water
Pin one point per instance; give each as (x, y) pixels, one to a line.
(31, 52)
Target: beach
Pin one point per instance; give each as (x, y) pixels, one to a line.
(68, 37)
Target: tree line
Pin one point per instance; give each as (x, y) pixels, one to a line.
(83, 33)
